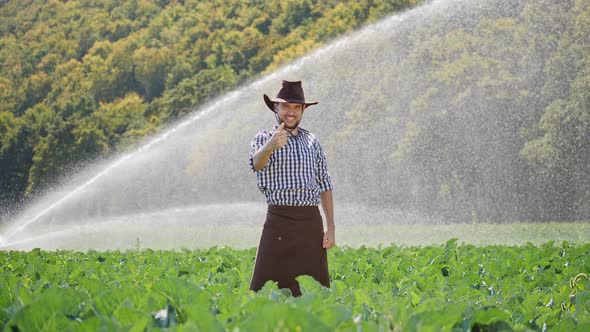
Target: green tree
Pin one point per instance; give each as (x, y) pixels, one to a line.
(12, 175)
(151, 66)
(8, 101)
(91, 141)
(119, 122)
(50, 142)
(67, 69)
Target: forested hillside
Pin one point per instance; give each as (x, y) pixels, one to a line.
(81, 79)
(521, 86)
(488, 112)
(484, 106)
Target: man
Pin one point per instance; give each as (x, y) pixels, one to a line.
(292, 173)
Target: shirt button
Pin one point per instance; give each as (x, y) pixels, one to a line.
(279, 238)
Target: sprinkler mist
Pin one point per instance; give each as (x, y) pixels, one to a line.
(417, 134)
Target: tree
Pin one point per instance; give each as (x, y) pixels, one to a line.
(12, 158)
(49, 139)
(150, 68)
(67, 69)
(116, 123)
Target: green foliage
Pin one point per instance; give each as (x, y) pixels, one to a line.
(79, 80)
(448, 287)
(487, 115)
(96, 66)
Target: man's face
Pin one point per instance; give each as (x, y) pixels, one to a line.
(290, 114)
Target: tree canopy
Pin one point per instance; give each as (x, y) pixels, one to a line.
(80, 79)
(496, 128)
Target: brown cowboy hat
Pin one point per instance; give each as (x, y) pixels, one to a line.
(291, 92)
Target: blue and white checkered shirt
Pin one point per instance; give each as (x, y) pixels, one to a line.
(295, 174)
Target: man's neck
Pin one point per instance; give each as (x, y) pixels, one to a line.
(293, 132)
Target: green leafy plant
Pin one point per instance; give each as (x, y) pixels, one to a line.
(449, 287)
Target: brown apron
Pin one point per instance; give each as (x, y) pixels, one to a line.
(290, 246)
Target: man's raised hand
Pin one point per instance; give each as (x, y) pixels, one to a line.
(279, 138)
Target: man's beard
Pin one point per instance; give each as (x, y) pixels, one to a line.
(292, 127)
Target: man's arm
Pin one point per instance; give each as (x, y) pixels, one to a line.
(328, 207)
(261, 157)
(276, 141)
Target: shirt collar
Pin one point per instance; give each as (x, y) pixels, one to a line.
(301, 131)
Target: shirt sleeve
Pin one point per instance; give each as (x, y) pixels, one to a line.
(322, 176)
(256, 144)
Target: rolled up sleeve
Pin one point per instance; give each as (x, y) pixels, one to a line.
(258, 141)
(322, 175)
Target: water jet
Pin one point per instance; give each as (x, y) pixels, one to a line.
(385, 92)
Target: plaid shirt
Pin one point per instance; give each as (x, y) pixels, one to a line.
(295, 174)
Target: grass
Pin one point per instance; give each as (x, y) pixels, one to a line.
(174, 237)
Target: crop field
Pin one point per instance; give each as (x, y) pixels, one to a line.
(447, 287)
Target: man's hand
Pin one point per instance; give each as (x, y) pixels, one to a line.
(278, 139)
(329, 239)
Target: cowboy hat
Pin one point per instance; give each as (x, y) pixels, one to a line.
(290, 92)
